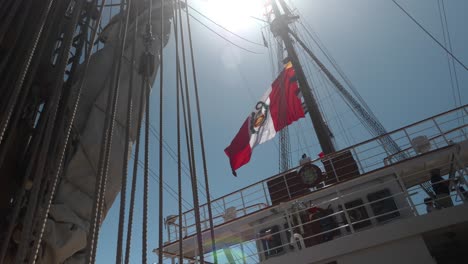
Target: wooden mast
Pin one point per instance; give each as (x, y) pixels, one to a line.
(280, 27)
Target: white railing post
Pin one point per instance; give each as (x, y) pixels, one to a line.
(379, 138)
(169, 232)
(463, 119)
(185, 224)
(243, 203)
(333, 169)
(462, 168)
(265, 193)
(286, 213)
(242, 252)
(205, 222)
(402, 185)
(440, 131)
(459, 193)
(287, 186)
(353, 150)
(348, 219)
(408, 137)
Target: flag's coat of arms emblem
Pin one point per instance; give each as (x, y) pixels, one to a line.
(258, 118)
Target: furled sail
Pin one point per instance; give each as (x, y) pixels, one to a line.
(70, 215)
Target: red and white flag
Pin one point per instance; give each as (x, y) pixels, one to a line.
(279, 107)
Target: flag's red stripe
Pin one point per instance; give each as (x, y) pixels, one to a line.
(239, 151)
(285, 105)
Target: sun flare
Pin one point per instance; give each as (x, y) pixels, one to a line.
(234, 14)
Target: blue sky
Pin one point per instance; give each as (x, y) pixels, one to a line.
(400, 72)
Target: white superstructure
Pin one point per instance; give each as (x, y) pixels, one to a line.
(367, 208)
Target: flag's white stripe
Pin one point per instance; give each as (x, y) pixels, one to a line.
(266, 132)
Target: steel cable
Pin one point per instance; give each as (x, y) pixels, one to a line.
(24, 70)
(179, 158)
(148, 39)
(62, 152)
(451, 64)
(161, 136)
(221, 36)
(202, 144)
(225, 29)
(191, 146)
(123, 191)
(430, 35)
(106, 147)
(135, 171)
(43, 146)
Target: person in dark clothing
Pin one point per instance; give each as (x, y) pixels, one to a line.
(430, 207)
(441, 189)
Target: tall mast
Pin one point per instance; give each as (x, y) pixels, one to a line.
(280, 27)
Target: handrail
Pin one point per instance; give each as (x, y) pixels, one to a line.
(366, 189)
(429, 139)
(340, 225)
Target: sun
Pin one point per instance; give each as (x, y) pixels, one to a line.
(235, 15)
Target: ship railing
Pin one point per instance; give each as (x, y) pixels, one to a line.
(439, 131)
(341, 219)
(205, 222)
(345, 225)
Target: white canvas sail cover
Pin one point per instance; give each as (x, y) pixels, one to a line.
(70, 215)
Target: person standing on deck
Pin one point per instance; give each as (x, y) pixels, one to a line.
(304, 159)
(441, 189)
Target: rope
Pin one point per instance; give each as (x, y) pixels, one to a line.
(209, 19)
(146, 55)
(179, 158)
(161, 86)
(202, 144)
(451, 65)
(190, 147)
(135, 172)
(123, 190)
(106, 148)
(172, 153)
(154, 176)
(221, 36)
(146, 177)
(333, 62)
(43, 146)
(24, 70)
(63, 149)
(430, 35)
(373, 125)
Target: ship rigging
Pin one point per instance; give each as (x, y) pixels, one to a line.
(76, 129)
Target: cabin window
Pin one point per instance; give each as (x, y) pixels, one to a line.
(271, 241)
(385, 208)
(357, 213)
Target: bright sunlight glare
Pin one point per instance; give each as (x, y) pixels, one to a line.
(235, 14)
